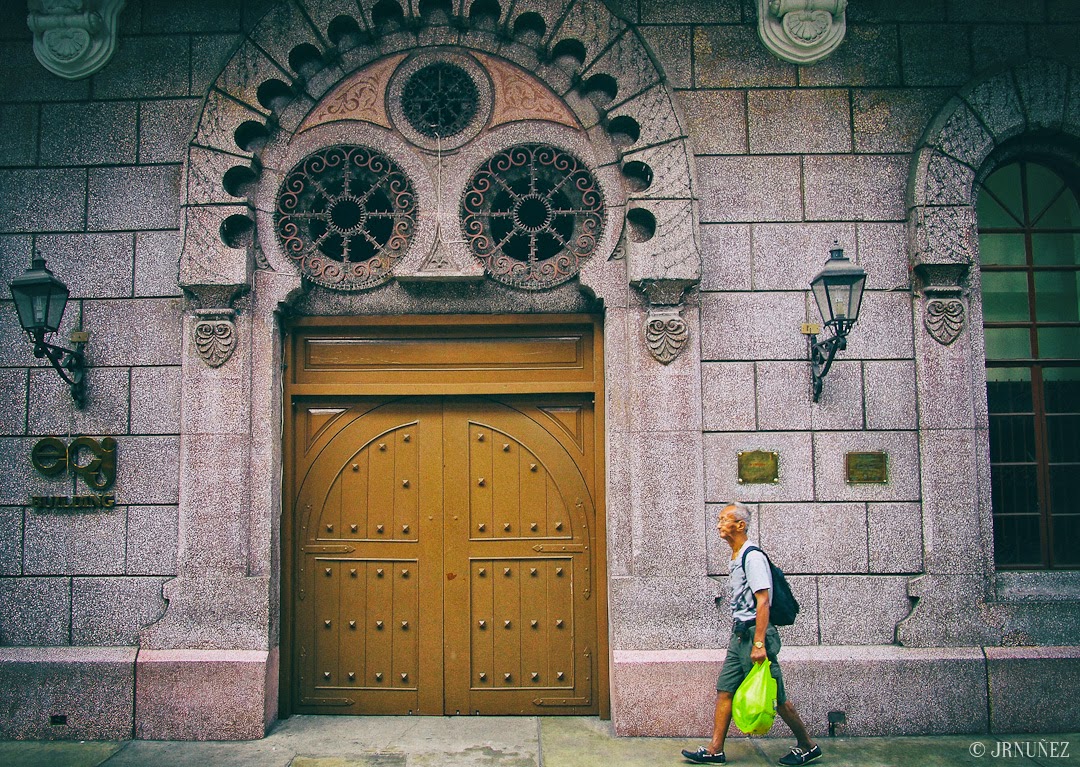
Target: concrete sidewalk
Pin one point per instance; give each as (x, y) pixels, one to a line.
(310, 741)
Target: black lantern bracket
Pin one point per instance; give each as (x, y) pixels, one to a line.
(69, 363)
(838, 291)
(822, 353)
(40, 299)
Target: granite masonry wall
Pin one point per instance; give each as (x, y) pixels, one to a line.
(788, 159)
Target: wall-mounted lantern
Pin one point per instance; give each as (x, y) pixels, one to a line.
(838, 291)
(40, 299)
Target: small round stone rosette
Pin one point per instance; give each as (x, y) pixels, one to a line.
(532, 214)
(345, 215)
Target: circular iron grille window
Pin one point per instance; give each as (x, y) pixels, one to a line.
(346, 214)
(439, 100)
(532, 214)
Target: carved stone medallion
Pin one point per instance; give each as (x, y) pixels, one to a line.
(666, 333)
(215, 337)
(802, 31)
(74, 38)
(944, 319)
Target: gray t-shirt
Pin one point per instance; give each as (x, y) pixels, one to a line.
(757, 576)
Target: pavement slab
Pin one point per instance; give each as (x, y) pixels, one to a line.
(37, 753)
(389, 741)
(589, 742)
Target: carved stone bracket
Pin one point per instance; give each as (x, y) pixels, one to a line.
(944, 319)
(802, 31)
(214, 335)
(666, 332)
(942, 287)
(74, 39)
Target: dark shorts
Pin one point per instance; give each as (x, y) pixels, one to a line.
(737, 664)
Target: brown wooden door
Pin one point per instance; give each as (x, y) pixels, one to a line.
(443, 557)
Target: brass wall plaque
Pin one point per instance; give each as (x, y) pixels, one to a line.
(759, 467)
(870, 468)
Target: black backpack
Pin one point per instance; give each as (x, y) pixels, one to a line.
(784, 606)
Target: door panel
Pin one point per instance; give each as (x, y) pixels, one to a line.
(368, 612)
(518, 523)
(443, 558)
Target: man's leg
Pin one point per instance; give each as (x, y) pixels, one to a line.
(721, 720)
(788, 713)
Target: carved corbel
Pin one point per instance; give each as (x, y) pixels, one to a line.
(214, 335)
(74, 39)
(942, 287)
(802, 31)
(666, 332)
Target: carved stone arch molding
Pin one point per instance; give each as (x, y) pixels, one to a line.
(303, 51)
(610, 106)
(954, 599)
(1040, 96)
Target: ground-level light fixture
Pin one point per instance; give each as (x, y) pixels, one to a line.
(40, 299)
(838, 291)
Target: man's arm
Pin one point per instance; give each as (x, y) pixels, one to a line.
(757, 653)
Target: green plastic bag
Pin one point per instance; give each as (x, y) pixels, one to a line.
(754, 705)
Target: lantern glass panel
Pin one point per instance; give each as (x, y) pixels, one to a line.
(40, 299)
(821, 296)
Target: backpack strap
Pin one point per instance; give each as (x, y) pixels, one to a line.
(747, 550)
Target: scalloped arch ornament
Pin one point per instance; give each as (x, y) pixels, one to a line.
(293, 70)
(1039, 95)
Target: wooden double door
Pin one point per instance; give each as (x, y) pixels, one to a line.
(443, 557)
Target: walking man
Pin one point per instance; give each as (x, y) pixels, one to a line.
(753, 639)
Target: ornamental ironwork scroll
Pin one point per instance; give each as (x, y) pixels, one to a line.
(346, 215)
(439, 100)
(214, 335)
(944, 319)
(532, 214)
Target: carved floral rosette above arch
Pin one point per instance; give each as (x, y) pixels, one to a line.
(802, 31)
(74, 39)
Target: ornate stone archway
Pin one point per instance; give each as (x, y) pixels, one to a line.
(1040, 99)
(596, 64)
(221, 626)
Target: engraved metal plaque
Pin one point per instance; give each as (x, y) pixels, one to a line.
(870, 468)
(759, 467)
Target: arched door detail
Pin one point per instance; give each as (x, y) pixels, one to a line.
(443, 559)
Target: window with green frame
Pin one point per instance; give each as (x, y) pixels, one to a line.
(1029, 244)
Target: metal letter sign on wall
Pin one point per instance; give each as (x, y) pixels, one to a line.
(52, 457)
